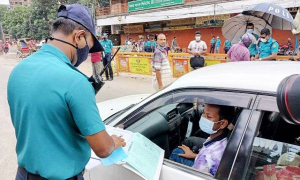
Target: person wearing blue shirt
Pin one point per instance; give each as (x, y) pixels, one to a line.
(218, 44)
(253, 47)
(212, 45)
(268, 47)
(227, 46)
(52, 104)
(150, 45)
(108, 49)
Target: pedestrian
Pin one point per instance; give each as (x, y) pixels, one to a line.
(150, 45)
(289, 43)
(197, 48)
(240, 51)
(212, 45)
(227, 46)
(97, 65)
(6, 47)
(108, 50)
(253, 48)
(161, 70)
(218, 44)
(174, 45)
(53, 106)
(267, 47)
(140, 44)
(129, 42)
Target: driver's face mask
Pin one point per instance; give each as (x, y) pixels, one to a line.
(207, 125)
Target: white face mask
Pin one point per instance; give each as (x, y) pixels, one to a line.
(207, 125)
(198, 38)
(263, 40)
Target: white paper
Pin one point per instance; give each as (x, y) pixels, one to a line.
(126, 135)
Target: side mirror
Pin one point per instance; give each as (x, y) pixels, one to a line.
(288, 99)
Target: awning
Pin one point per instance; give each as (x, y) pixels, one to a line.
(196, 11)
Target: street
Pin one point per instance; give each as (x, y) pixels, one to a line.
(120, 86)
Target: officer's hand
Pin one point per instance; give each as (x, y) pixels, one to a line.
(119, 142)
(252, 58)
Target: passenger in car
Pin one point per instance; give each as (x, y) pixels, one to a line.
(214, 121)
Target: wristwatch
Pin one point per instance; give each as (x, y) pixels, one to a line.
(259, 59)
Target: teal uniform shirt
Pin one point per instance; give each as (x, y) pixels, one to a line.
(218, 43)
(266, 49)
(227, 44)
(107, 45)
(52, 108)
(150, 44)
(253, 48)
(212, 41)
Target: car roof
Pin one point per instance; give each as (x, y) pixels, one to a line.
(248, 75)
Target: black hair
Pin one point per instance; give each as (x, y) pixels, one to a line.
(250, 24)
(265, 31)
(66, 26)
(226, 112)
(197, 32)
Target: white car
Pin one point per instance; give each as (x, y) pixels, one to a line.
(260, 136)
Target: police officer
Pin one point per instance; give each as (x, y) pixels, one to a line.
(108, 50)
(267, 47)
(253, 47)
(53, 106)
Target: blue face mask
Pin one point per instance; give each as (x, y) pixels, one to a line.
(250, 31)
(207, 125)
(82, 53)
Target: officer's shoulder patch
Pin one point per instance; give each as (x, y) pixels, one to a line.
(274, 45)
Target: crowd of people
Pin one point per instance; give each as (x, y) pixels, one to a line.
(258, 47)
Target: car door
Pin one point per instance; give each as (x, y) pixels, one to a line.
(173, 170)
(270, 148)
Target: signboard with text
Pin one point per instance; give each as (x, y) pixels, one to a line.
(131, 29)
(139, 5)
(209, 21)
(140, 65)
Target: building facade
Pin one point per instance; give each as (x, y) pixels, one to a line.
(176, 18)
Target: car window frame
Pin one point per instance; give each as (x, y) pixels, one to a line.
(170, 97)
(263, 103)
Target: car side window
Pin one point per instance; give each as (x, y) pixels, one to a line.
(168, 122)
(275, 150)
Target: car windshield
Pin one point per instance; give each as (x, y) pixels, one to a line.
(117, 114)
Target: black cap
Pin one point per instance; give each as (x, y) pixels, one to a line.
(265, 31)
(82, 15)
(197, 32)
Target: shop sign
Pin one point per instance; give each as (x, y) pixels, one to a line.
(178, 28)
(181, 22)
(133, 29)
(140, 65)
(149, 4)
(209, 21)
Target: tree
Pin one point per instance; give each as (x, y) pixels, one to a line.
(34, 21)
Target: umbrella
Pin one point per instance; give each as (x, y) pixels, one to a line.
(276, 16)
(235, 27)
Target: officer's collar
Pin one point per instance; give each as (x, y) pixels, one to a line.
(61, 56)
(270, 39)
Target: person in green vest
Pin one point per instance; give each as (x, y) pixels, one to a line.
(253, 47)
(267, 47)
(227, 46)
